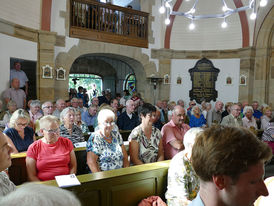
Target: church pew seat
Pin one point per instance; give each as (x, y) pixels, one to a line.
(121, 187)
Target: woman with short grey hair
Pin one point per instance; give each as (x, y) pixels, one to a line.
(68, 128)
(20, 134)
(249, 121)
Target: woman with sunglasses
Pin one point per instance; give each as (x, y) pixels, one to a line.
(20, 134)
(105, 148)
(52, 155)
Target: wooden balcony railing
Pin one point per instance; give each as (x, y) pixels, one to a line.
(108, 23)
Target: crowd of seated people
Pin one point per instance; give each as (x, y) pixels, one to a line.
(155, 132)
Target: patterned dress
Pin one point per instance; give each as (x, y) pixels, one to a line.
(76, 134)
(148, 148)
(110, 155)
(183, 183)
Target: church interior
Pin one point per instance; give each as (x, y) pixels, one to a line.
(118, 39)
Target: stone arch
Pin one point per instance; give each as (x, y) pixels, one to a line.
(264, 68)
(132, 55)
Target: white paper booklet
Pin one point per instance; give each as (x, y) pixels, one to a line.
(67, 180)
(80, 144)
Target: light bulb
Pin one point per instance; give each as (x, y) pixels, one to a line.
(263, 3)
(167, 21)
(162, 10)
(253, 16)
(191, 26)
(224, 8)
(224, 24)
(192, 11)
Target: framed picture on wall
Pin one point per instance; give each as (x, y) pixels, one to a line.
(61, 74)
(242, 80)
(228, 80)
(166, 79)
(47, 72)
(179, 80)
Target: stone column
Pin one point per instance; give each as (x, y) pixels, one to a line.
(46, 42)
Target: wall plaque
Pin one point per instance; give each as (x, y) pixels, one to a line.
(203, 77)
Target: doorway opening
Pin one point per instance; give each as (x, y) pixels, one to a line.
(91, 82)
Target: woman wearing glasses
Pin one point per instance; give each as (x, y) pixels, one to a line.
(52, 155)
(105, 148)
(20, 134)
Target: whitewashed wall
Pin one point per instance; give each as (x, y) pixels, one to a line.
(17, 48)
(226, 93)
(23, 12)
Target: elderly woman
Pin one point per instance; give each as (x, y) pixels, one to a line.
(78, 121)
(68, 129)
(266, 117)
(20, 134)
(52, 155)
(146, 144)
(197, 119)
(268, 135)
(12, 106)
(183, 183)
(105, 148)
(34, 112)
(6, 185)
(249, 121)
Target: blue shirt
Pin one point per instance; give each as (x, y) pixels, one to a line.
(21, 75)
(20, 144)
(88, 119)
(197, 201)
(257, 114)
(195, 122)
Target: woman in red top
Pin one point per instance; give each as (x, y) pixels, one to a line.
(52, 155)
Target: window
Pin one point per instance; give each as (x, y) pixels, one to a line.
(130, 83)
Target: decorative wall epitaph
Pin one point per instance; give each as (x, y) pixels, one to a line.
(203, 77)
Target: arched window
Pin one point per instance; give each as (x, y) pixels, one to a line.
(130, 83)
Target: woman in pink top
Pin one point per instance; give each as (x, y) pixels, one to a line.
(52, 155)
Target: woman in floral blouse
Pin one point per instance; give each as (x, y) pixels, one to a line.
(183, 183)
(105, 148)
(145, 140)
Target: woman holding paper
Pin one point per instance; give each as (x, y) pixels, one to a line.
(105, 148)
(52, 155)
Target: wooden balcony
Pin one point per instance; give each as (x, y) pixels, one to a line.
(108, 23)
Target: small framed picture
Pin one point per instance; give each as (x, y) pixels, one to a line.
(242, 80)
(47, 72)
(228, 80)
(166, 79)
(179, 80)
(61, 74)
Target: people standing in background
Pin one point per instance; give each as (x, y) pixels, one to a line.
(16, 94)
(17, 73)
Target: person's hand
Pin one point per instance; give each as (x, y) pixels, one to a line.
(159, 202)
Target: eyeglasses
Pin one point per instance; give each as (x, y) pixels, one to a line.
(48, 107)
(52, 131)
(108, 123)
(22, 124)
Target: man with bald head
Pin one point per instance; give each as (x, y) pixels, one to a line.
(6, 186)
(215, 116)
(128, 120)
(16, 94)
(173, 132)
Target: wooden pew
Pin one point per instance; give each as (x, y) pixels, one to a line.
(121, 187)
(18, 172)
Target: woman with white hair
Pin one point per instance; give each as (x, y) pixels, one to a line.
(40, 194)
(183, 183)
(20, 134)
(249, 121)
(68, 128)
(105, 148)
(197, 119)
(52, 155)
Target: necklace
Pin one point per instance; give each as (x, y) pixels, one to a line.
(107, 138)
